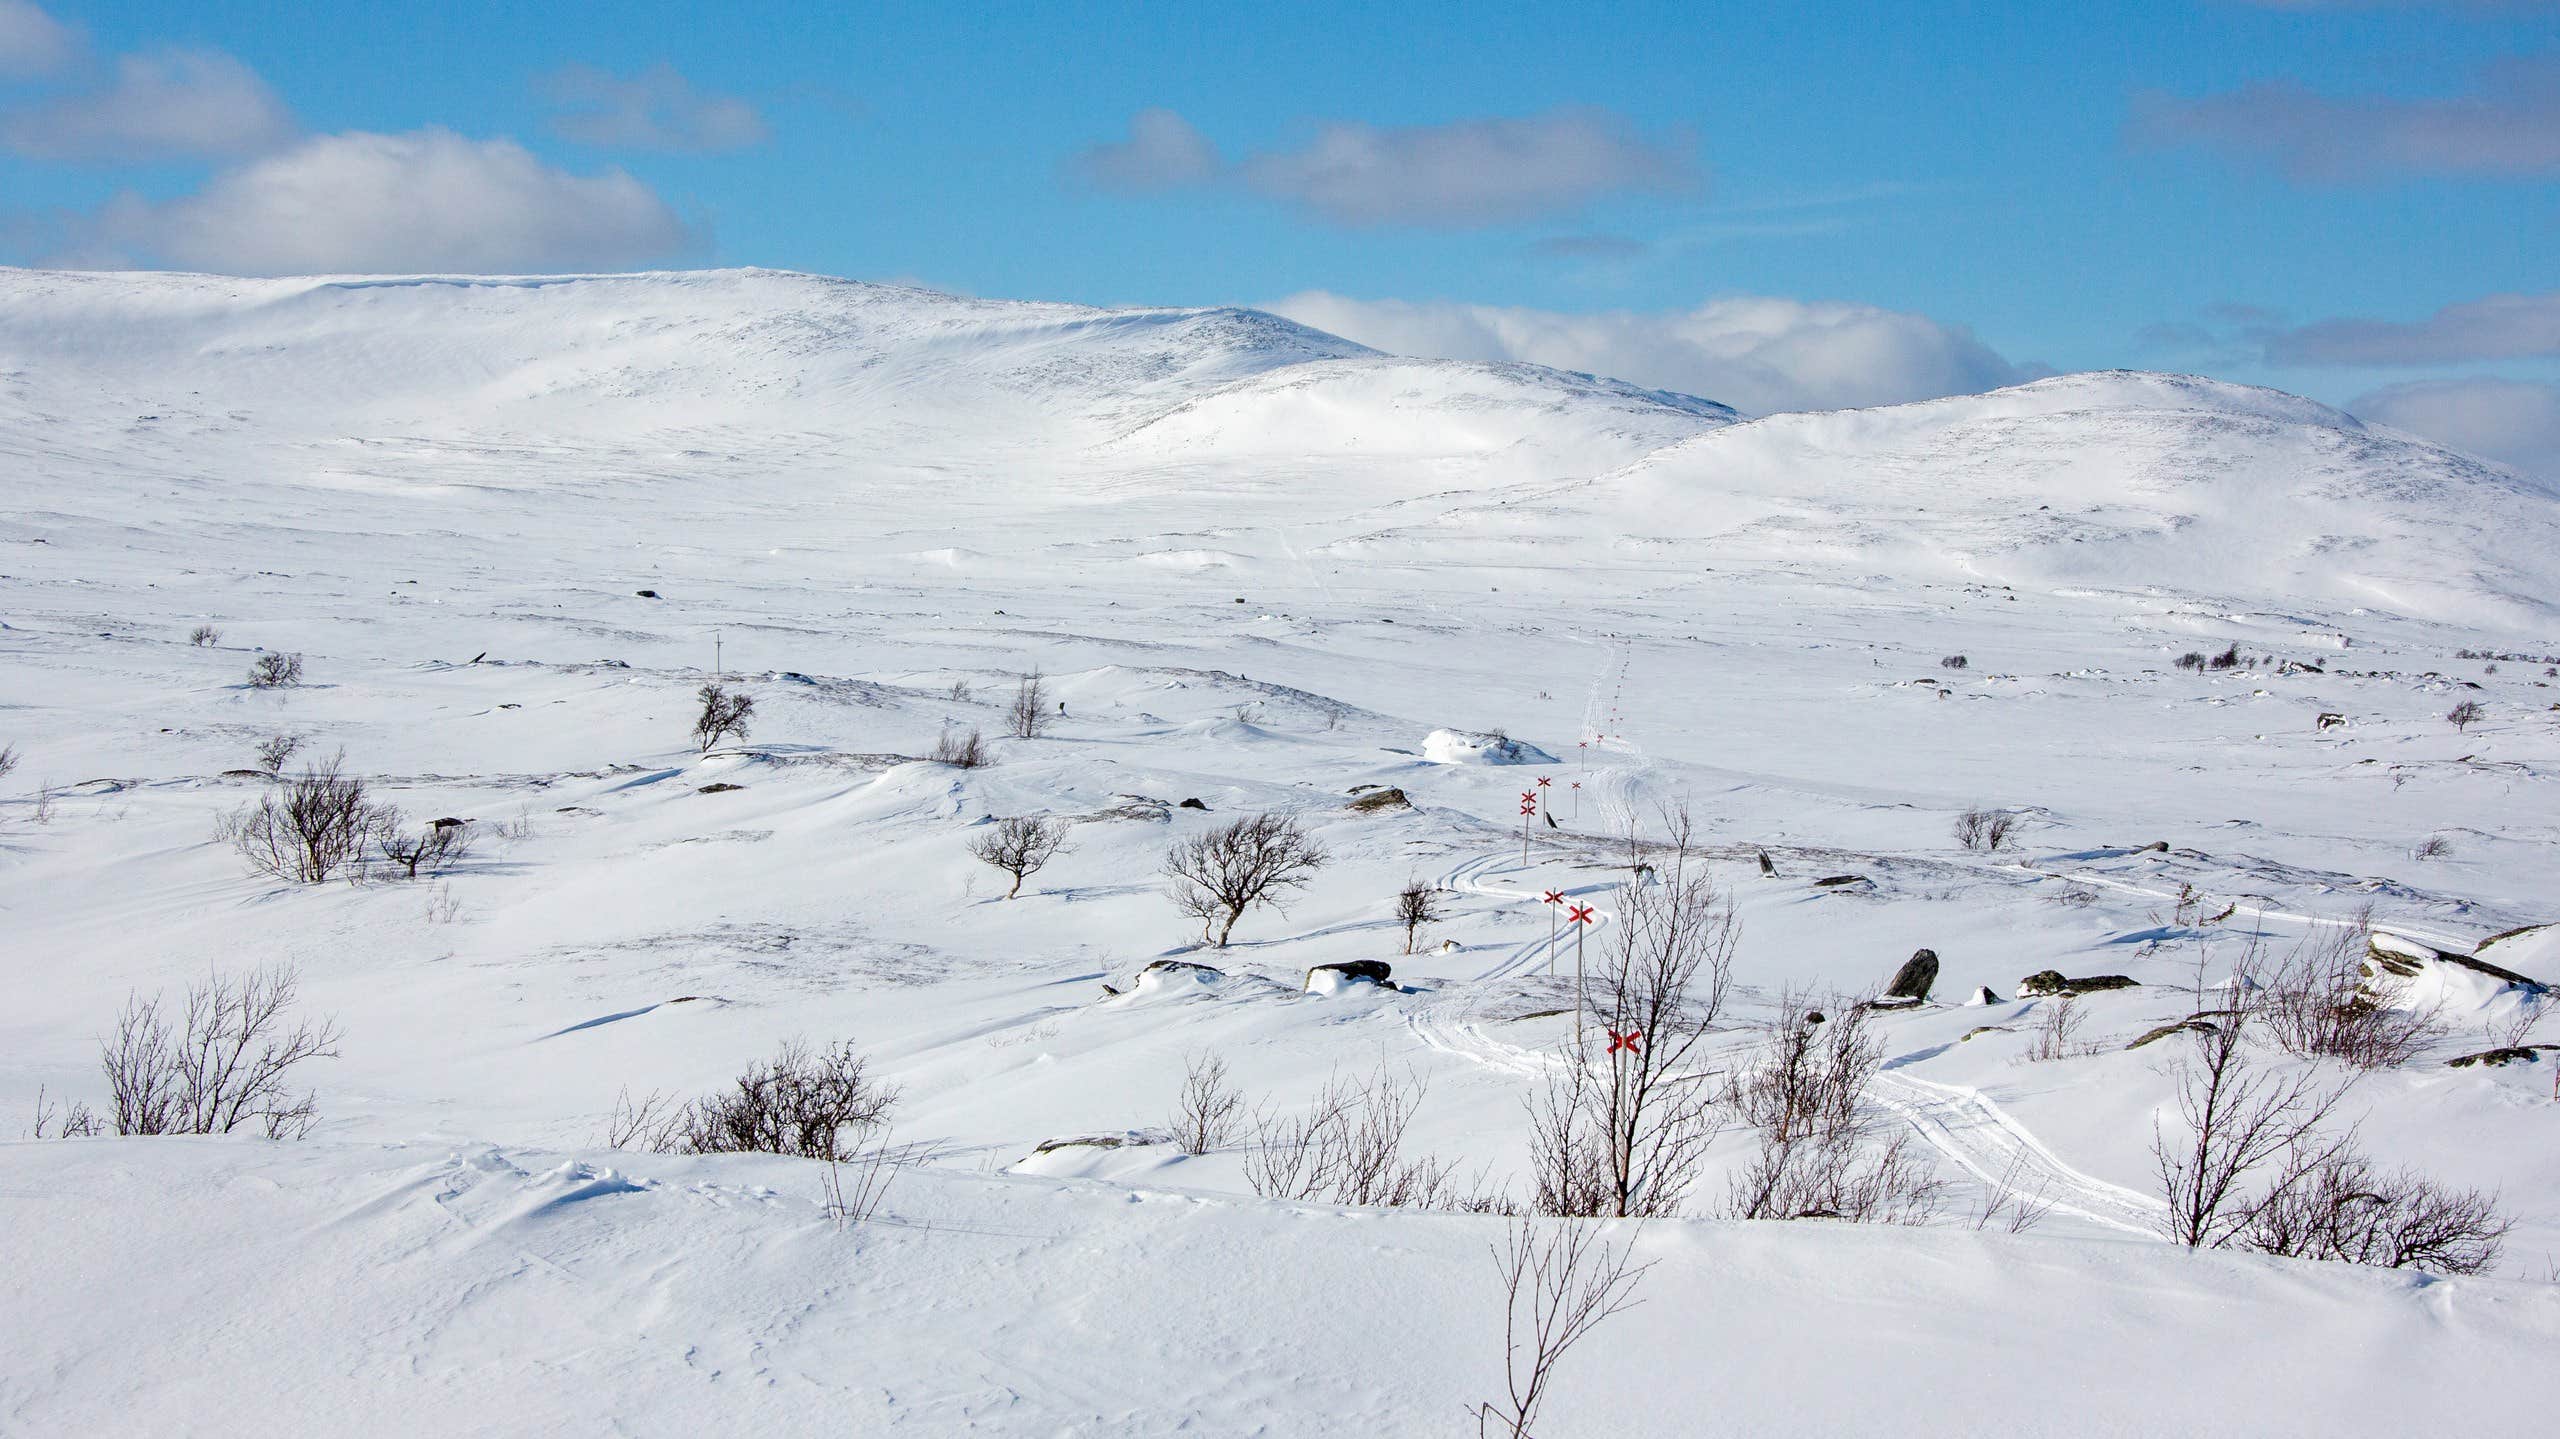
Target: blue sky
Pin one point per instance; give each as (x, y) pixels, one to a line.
(1802, 204)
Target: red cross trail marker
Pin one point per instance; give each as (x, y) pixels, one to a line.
(1553, 900)
(1632, 1041)
(1580, 919)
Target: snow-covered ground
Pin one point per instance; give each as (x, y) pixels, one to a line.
(1261, 567)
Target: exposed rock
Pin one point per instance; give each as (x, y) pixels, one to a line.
(448, 822)
(1137, 807)
(1194, 804)
(1767, 870)
(1182, 967)
(2503, 1054)
(2157, 846)
(1986, 1029)
(1350, 971)
(1892, 1001)
(2331, 721)
(2199, 1026)
(1982, 994)
(723, 787)
(1837, 881)
(1377, 800)
(2404, 958)
(646, 594)
(2045, 982)
(246, 774)
(1912, 981)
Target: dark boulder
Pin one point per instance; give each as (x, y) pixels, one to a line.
(1363, 971)
(2048, 982)
(1912, 981)
(1193, 804)
(1841, 881)
(1379, 800)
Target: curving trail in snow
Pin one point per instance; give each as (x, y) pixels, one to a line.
(2433, 938)
(1966, 1126)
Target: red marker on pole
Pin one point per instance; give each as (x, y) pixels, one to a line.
(1528, 807)
(1554, 900)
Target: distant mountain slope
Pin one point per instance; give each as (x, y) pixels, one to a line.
(753, 353)
(2113, 480)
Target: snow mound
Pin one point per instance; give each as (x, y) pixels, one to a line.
(1450, 746)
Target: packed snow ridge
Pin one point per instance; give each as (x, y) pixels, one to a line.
(2026, 736)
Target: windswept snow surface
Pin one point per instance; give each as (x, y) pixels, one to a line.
(1259, 567)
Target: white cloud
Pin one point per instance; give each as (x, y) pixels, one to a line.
(170, 104)
(33, 43)
(1758, 354)
(2510, 126)
(430, 201)
(1163, 152)
(1462, 174)
(2512, 421)
(657, 109)
(2498, 327)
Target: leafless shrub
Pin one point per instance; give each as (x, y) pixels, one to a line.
(2015, 1202)
(1984, 829)
(2191, 660)
(8, 759)
(1417, 904)
(2341, 1208)
(430, 850)
(857, 1184)
(2237, 1123)
(1621, 1130)
(1953, 662)
(2315, 1005)
(203, 636)
(725, 714)
(2511, 1030)
(1219, 875)
(960, 751)
(1803, 1097)
(1559, 1282)
(809, 1104)
(315, 829)
(442, 907)
(2434, 846)
(654, 1122)
(2464, 715)
(2229, 659)
(276, 749)
(53, 1121)
(1028, 717)
(2056, 1034)
(274, 670)
(43, 812)
(1019, 846)
(1210, 1113)
(1348, 1148)
(959, 693)
(227, 1062)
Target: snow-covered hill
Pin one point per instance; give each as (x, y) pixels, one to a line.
(513, 525)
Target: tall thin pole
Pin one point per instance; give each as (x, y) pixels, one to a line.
(1580, 1001)
(716, 670)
